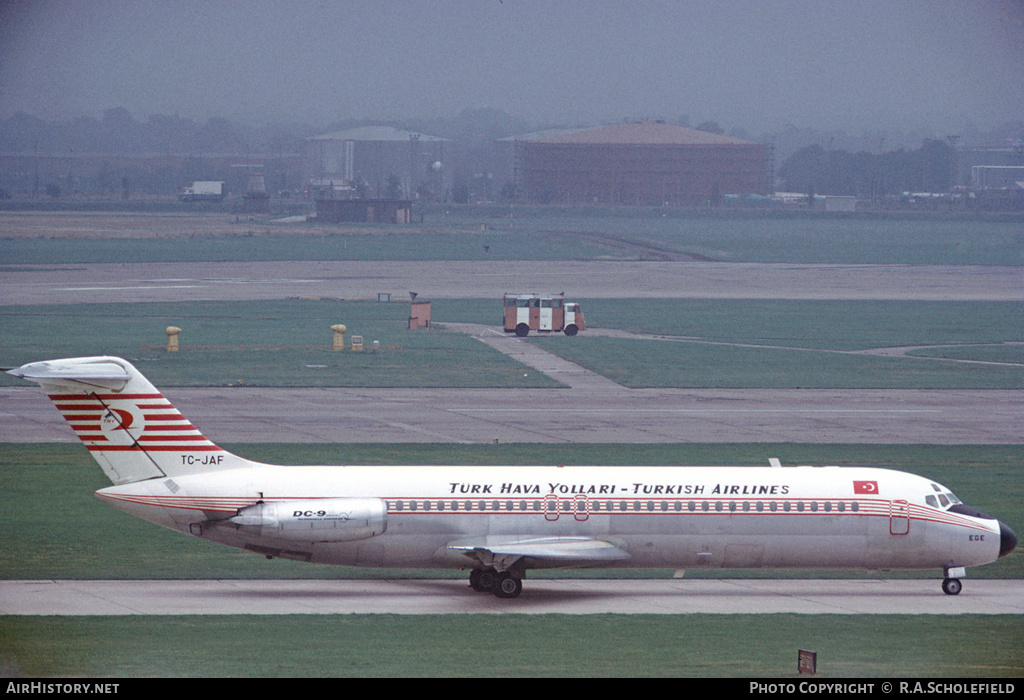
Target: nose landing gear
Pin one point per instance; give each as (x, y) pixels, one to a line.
(951, 584)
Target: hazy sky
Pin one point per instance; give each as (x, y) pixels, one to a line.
(757, 65)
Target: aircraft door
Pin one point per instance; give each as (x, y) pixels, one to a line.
(582, 508)
(551, 507)
(899, 517)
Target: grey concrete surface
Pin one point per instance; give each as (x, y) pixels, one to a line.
(120, 282)
(567, 596)
(235, 414)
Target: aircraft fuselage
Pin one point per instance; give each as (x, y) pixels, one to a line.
(674, 517)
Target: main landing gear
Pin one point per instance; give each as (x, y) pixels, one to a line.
(501, 583)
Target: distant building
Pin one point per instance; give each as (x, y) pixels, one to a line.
(998, 187)
(639, 163)
(377, 160)
(370, 211)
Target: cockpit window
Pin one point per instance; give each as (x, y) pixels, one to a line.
(945, 497)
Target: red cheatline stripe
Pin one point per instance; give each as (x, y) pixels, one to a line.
(180, 428)
(155, 448)
(104, 397)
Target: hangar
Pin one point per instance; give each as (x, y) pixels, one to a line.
(639, 163)
(380, 161)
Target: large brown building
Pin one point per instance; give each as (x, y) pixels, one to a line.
(639, 163)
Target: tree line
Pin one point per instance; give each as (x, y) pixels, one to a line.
(816, 170)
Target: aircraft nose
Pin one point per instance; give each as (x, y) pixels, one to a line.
(1007, 539)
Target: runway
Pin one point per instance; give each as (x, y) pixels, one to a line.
(540, 596)
(335, 415)
(76, 283)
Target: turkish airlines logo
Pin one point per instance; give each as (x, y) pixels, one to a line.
(870, 487)
(122, 426)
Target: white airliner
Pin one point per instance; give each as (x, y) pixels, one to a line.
(500, 521)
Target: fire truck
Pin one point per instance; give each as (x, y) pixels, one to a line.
(542, 312)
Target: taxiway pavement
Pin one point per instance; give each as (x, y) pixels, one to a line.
(251, 281)
(565, 596)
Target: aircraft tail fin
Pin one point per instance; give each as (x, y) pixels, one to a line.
(128, 426)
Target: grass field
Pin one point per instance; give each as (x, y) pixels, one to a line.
(523, 646)
(271, 343)
(719, 343)
(552, 233)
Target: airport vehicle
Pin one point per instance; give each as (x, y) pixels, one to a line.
(203, 191)
(542, 312)
(502, 521)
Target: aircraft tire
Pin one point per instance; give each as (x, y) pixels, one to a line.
(952, 586)
(507, 586)
(483, 580)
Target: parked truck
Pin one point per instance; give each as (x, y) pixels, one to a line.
(542, 312)
(203, 191)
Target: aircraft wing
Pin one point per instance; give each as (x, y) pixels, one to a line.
(541, 551)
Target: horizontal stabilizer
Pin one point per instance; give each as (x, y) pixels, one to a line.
(95, 371)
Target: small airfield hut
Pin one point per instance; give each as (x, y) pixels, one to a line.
(639, 163)
(369, 211)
